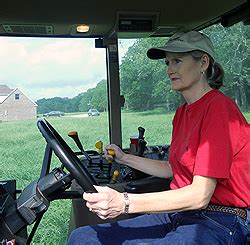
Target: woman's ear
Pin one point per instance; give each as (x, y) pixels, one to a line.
(204, 62)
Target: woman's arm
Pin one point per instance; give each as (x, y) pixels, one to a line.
(156, 168)
(109, 203)
(194, 196)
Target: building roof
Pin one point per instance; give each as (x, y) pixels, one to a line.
(5, 92)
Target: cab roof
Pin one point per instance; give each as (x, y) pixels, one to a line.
(112, 18)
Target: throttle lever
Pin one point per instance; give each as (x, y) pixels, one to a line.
(141, 132)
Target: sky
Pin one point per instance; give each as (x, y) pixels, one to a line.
(46, 68)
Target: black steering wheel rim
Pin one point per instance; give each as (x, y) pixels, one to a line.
(67, 157)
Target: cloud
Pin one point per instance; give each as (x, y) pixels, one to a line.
(45, 68)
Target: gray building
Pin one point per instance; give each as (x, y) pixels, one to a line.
(15, 105)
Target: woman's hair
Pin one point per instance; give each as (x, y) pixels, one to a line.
(214, 72)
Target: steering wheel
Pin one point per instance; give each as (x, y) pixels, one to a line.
(67, 157)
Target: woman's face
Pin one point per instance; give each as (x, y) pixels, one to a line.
(183, 70)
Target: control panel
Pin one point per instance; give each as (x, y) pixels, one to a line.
(106, 172)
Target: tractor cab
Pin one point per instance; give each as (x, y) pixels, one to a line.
(77, 169)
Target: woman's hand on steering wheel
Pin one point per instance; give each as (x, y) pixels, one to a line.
(106, 204)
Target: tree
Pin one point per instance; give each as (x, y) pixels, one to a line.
(232, 49)
(95, 98)
(144, 82)
(53, 104)
(99, 98)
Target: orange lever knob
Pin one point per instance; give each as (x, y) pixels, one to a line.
(72, 133)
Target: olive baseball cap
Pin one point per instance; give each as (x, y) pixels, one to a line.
(183, 42)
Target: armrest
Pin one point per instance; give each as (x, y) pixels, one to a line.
(149, 184)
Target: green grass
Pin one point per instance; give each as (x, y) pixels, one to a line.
(22, 149)
(247, 116)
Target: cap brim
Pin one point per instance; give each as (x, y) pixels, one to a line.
(156, 53)
(160, 53)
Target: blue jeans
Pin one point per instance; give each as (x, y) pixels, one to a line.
(191, 227)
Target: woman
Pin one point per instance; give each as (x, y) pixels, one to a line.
(209, 162)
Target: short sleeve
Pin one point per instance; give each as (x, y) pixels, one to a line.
(215, 152)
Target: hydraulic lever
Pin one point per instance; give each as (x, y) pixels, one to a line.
(112, 153)
(101, 174)
(74, 136)
(141, 132)
(142, 142)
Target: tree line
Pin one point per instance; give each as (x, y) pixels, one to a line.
(144, 82)
(92, 98)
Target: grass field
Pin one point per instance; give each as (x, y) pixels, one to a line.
(22, 148)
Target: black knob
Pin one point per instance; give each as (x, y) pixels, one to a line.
(141, 132)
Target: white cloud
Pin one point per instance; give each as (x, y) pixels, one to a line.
(45, 68)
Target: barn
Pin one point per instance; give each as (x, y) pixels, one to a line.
(15, 105)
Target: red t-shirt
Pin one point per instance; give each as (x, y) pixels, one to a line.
(211, 138)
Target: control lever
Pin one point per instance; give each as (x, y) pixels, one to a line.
(99, 146)
(112, 153)
(114, 178)
(142, 143)
(74, 136)
(141, 147)
(141, 132)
